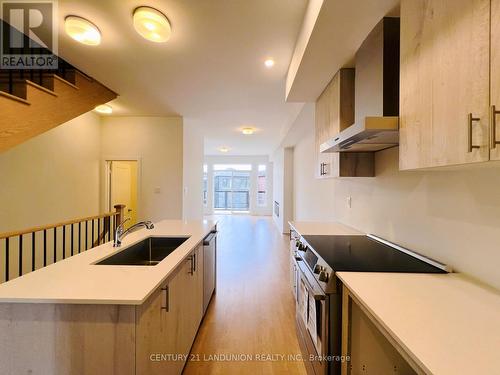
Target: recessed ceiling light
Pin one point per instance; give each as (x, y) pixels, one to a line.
(269, 63)
(247, 131)
(152, 24)
(104, 109)
(82, 30)
(223, 149)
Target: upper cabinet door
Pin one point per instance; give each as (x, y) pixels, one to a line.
(495, 80)
(444, 96)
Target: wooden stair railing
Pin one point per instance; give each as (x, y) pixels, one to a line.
(41, 246)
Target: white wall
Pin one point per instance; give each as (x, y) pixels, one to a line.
(283, 187)
(157, 143)
(192, 171)
(449, 215)
(52, 177)
(254, 161)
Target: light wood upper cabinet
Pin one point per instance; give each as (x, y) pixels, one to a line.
(334, 112)
(444, 82)
(495, 80)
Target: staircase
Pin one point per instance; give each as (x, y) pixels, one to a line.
(34, 101)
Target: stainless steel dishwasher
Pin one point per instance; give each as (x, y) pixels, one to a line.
(209, 267)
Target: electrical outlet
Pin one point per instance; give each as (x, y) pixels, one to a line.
(349, 201)
(157, 190)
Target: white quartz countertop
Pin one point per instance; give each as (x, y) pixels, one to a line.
(78, 280)
(447, 323)
(322, 228)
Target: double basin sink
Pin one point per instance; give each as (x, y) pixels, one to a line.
(148, 252)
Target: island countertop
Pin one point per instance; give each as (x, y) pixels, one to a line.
(77, 280)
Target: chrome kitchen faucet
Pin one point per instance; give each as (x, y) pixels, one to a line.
(120, 233)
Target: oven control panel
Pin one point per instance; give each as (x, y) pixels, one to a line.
(321, 271)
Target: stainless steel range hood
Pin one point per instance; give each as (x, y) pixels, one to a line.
(372, 134)
(376, 125)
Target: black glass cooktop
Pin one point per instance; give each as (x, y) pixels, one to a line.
(361, 253)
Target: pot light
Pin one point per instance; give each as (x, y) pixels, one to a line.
(269, 63)
(152, 24)
(224, 149)
(248, 131)
(82, 30)
(104, 109)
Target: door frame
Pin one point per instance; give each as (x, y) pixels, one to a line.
(105, 182)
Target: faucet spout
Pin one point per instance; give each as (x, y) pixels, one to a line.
(120, 233)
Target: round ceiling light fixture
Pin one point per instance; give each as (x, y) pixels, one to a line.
(248, 131)
(152, 24)
(82, 30)
(224, 149)
(269, 63)
(104, 109)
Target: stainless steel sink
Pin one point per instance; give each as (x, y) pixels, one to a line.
(148, 252)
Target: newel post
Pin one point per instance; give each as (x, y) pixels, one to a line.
(120, 209)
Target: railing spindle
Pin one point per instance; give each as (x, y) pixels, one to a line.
(72, 240)
(21, 255)
(79, 236)
(98, 231)
(33, 251)
(109, 227)
(93, 221)
(7, 259)
(86, 235)
(55, 244)
(64, 241)
(45, 247)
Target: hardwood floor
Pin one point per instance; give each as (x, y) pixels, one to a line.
(252, 313)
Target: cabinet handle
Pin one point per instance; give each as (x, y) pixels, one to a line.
(191, 258)
(322, 169)
(493, 127)
(194, 262)
(167, 297)
(470, 120)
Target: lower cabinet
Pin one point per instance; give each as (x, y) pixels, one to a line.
(168, 321)
(366, 345)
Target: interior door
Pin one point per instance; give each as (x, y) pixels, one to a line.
(123, 184)
(495, 81)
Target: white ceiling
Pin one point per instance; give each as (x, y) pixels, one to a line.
(339, 28)
(211, 71)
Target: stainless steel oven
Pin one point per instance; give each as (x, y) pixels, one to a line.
(318, 294)
(312, 309)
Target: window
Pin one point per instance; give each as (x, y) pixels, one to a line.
(205, 184)
(262, 186)
(232, 187)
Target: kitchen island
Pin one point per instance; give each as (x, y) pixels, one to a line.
(78, 317)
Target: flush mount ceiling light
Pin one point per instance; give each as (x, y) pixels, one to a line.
(269, 63)
(104, 109)
(152, 24)
(224, 149)
(82, 30)
(248, 131)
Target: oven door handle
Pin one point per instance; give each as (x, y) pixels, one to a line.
(315, 293)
